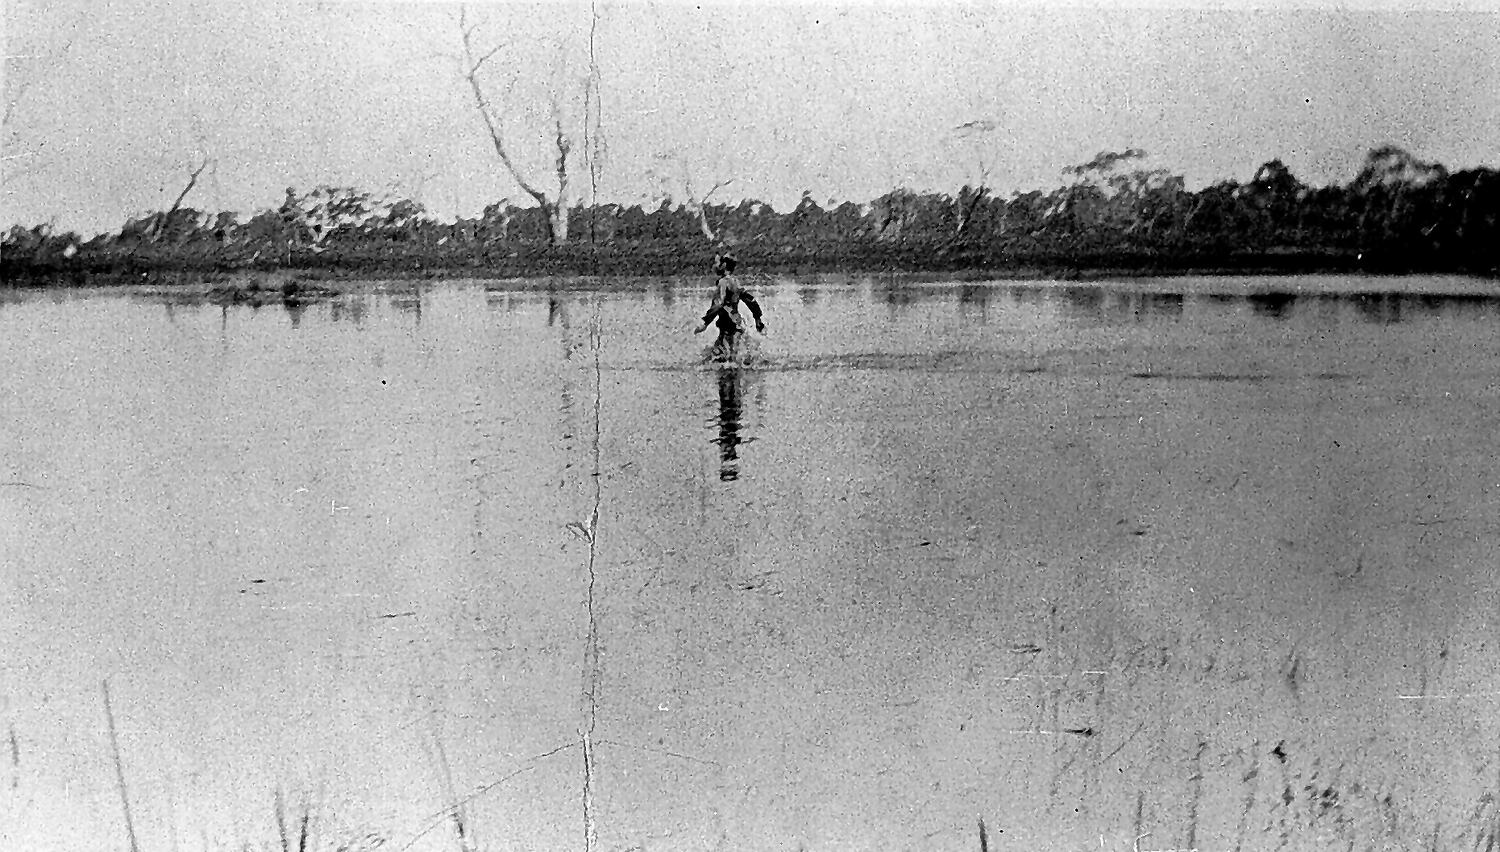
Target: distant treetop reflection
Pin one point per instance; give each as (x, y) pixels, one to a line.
(1382, 308)
(1105, 304)
(1275, 305)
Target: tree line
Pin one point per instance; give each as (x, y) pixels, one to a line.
(1114, 212)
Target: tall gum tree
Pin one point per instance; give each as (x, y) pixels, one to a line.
(675, 179)
(976, 137)
(558, 138)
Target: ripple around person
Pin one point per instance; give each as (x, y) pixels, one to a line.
(740, 353)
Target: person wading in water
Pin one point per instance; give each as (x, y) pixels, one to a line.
(724, 311)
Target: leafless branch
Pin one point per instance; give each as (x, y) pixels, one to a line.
(716, 187)
(564, 146)
(695, 203)
(485, 58)
(192, 181)
(472, 64)
(161, 220)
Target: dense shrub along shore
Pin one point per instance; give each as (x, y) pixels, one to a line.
(1399, 214)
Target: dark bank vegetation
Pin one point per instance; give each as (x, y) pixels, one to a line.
(1112, 215)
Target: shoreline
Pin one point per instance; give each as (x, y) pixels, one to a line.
(542, 267)
(321, 276)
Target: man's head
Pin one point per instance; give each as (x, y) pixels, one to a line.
(724, 264)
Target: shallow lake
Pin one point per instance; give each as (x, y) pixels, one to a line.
(1157, 564)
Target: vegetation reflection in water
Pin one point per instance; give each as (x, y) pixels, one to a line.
(1145, 559)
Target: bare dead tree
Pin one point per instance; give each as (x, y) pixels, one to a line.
(974, 135)
(594, 145)
(697, 208)
(682, 181)
(554, 205)
(164, 220)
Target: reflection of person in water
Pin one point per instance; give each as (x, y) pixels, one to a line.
(724, 311)
(730, 410)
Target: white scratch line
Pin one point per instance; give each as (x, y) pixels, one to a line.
(1050, 676)
(1450, 695)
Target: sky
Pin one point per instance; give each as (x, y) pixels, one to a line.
(111, 105)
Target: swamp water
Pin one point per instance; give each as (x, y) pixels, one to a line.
(1169, 564)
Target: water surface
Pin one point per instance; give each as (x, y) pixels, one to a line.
(1189, 563)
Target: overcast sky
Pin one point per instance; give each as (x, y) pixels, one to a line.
(114, 103)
